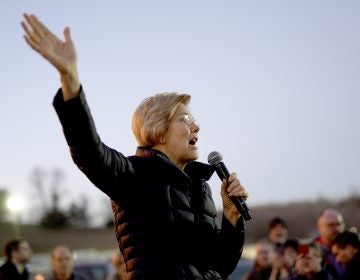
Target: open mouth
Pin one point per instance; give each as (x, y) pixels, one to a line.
(193, 141)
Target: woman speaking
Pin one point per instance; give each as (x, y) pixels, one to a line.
(165, 217)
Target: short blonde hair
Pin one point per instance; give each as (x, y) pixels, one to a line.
(151, 118)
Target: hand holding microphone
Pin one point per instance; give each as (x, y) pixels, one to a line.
(232, 186)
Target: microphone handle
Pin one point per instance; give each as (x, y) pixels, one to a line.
(239, 202)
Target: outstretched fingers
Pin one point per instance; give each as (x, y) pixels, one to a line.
(37, 26)
(28, 38)
(31, 37)
(36, 32)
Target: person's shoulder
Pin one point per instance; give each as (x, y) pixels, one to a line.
(6, 266)
(357, 257)
(354, 265)
(5, 270)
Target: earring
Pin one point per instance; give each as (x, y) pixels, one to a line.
(162, 140)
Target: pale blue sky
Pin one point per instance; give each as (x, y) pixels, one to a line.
(275, 86)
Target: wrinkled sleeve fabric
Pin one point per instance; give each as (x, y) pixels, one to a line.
(230, 246)
(225, 248)
(106, 168)
(210, 250)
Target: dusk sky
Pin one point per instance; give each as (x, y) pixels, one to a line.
(275, 87)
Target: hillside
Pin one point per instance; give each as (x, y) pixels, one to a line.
(300, 216)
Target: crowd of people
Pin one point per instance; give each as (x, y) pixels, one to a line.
(333, 255)
(18, 253)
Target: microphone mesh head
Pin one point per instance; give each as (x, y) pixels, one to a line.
(214, 158)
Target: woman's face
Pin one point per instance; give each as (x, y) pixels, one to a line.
(278, 234)
(179, 141)
(263, 254)
(290, 255)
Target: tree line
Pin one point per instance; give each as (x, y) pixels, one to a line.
(301, 216)
(46, 185)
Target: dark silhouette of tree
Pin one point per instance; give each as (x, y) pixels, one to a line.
(78, 213)
(107, 214)
(37, 178)
(3, 208)
(48, 187)
(54, 219)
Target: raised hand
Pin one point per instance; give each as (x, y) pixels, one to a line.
(61, 54)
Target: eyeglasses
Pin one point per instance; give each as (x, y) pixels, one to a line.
(337, 224)
(189, 120)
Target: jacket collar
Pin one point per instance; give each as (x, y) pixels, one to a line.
(195, 170)
(150, 153)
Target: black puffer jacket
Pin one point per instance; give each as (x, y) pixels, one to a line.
(9, 271)
(165, 219)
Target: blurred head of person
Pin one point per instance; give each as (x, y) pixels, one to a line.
(119, 264)
(164, 122)
(264, 254)
(316, 253)
(18, 251)
(330, 223)
(311, 263)
(345, 246)
(62, 262)
(290, 251)
(278, 231)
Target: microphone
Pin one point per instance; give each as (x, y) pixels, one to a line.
(215, 159)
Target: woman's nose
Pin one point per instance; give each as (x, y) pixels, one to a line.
(195, 127)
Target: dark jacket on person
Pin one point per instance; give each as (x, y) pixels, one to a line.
(8, 271)
(332, 266)
(165, 218)
(321, 275)
(258, 273)
(353, 268)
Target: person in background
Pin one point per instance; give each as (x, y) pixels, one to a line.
(311, 265)
(165, 217)
(284, 264)
(62, 263)
(120, 267)
(346, 248)
(263, 262)
(329, 224)
(17, 253)
(277, 233)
